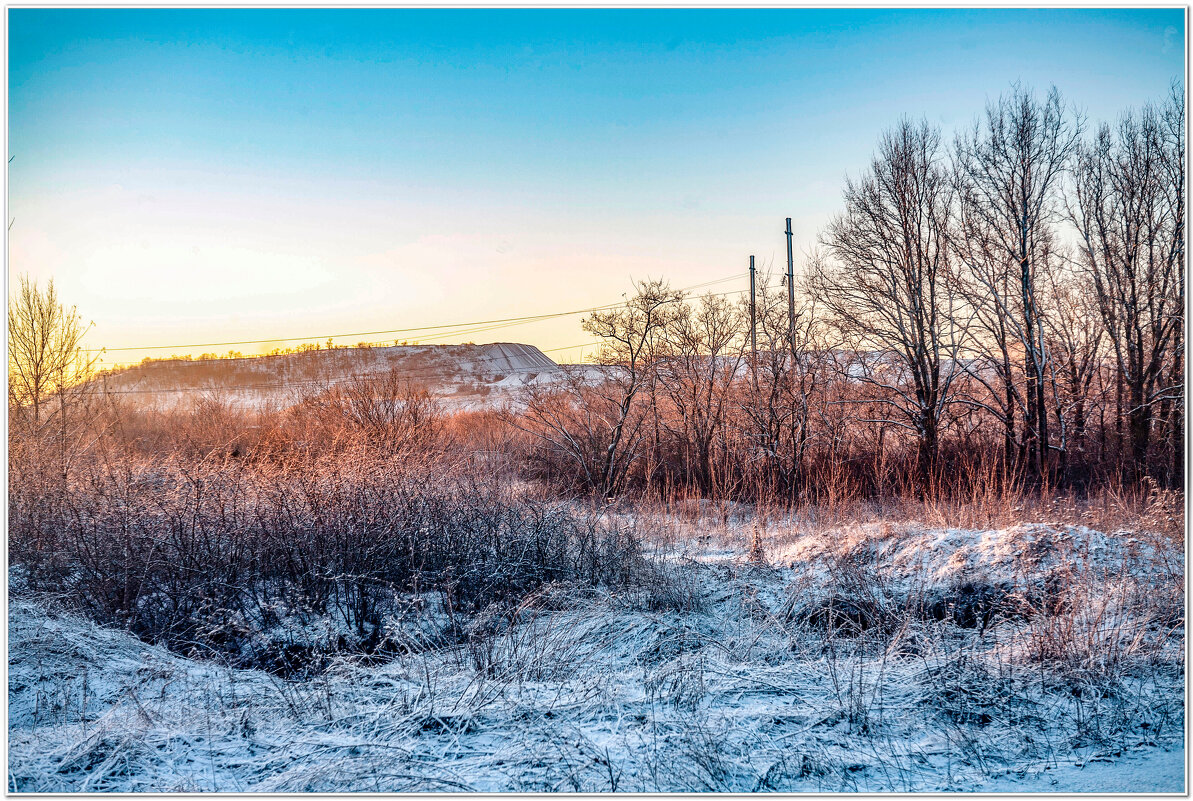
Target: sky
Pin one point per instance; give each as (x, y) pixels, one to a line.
(203, 176)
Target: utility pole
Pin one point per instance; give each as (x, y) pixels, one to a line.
(790, 291)
(753, 330)
(753, 319)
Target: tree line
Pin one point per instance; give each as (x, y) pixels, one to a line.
(1007, 306)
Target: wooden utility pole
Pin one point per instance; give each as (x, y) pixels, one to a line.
(753, 318)
(790, 292)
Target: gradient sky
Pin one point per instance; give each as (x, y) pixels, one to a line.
(213, 175)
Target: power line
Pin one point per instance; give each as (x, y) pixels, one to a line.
(419, 341)
(329, 381)
(503, 322)
(533, 318)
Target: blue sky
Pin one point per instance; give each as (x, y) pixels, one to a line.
(202, 175)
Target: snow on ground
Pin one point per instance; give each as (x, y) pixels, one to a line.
(915, 553)
(1160, 770)
(720, 680)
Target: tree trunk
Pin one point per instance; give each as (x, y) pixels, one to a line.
(1140, 424)
(1009, 457)
(929, 451)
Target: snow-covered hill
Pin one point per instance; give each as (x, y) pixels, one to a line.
(461, 376)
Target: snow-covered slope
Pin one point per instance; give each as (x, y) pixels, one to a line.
(462, 376)
(596, 692)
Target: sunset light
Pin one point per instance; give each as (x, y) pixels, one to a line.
(594, 401)
(193, 176)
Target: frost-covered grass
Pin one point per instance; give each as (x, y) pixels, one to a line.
(868, 658)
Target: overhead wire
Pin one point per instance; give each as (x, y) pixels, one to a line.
(425, 372)
(422, 341)
(500, 322)
(419, 341)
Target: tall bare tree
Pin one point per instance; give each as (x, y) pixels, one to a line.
(1009, 170)
(1128, 205)
(885, 283)
(1172, 405)
(988, 282)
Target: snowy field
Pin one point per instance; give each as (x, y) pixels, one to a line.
(875, 658)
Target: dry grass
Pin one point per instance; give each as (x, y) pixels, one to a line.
(571, 690)
(347, 616)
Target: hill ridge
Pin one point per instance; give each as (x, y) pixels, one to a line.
(465, 376)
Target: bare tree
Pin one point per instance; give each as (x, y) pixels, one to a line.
(630, 335)
(45, 347)
(569, 419)
(1128, 205)
(885, 283)
(1172, 405)
(700, 356)
(1074, 339)
(989, 284)
(595, 421)
(1008, 172)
